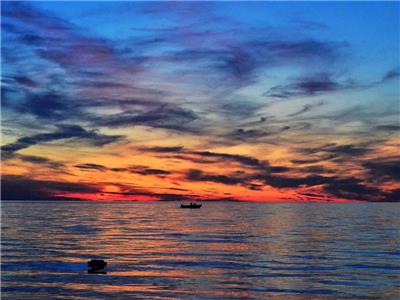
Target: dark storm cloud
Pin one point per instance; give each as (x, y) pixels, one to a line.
(63, 132)
(14, 187)
(308, 86)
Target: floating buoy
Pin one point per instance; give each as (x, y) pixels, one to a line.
(97, 266)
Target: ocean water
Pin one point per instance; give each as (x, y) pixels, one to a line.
(224, 250)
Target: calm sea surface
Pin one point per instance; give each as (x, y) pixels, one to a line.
(224, 250)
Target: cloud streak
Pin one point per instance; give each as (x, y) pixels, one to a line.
(63, 132)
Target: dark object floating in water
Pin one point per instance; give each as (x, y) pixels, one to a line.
(96, 266)
(191, 205)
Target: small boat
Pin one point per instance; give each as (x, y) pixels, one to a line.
(191, 205)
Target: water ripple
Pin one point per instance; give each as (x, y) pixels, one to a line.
(222, 251)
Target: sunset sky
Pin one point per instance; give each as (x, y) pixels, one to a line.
(259, 101)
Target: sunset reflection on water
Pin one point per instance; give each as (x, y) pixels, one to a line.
(224, 250)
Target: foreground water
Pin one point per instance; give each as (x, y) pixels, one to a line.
(224, 250)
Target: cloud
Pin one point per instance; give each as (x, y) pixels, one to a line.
(198, 175)
(353, 189)
(333, 186)
(322, 83)
(48, 106)
(238, 63)
(316, 169)
(391, 74)
(126, 192)
(309, 161)
(172, 149)
(90, 166)
(306, 108)
(64, 132)
(303, 49)
(39, 160)
(242, 159)
(25, 81)
(166, 116)
(308, 86)
(383, 169)
(239, 108)
(251, 134)
(219, 60)
(335, 150)
(332, 152)
(258, 180)
(207, 157)
(16, 187)
(393, 196)
(57, 40)
(142, 170)
(291, 182)
(388, 127)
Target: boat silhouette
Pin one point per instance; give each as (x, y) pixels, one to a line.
(191, 205)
